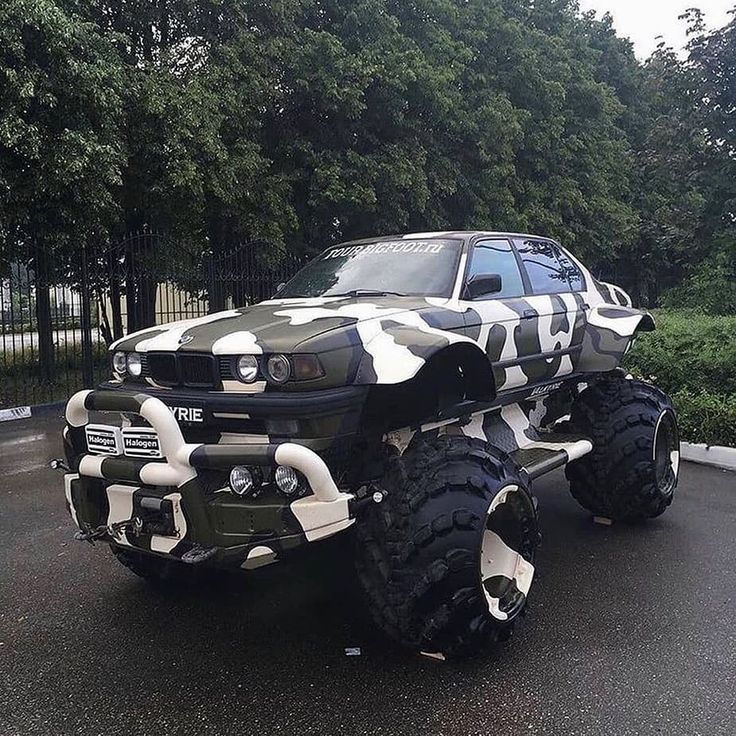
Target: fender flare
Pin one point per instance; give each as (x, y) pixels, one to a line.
(464, 352)
(623, 322)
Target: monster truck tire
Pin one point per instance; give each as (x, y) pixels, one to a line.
(424, 554)
(631, 474)
(157, 570)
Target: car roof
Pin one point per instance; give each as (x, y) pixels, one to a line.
(444, 234)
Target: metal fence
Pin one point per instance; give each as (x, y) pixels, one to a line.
(56, 323)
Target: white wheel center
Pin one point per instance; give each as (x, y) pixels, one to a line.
(503, 570)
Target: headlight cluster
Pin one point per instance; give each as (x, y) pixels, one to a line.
(127, 363)
(278, 368)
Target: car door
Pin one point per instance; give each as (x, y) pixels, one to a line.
(532, 330)
(495, 320)
(553, 321)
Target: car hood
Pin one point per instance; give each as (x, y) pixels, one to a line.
(292, 325)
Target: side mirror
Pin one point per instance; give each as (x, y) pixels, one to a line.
(483, 284)
(279, 287)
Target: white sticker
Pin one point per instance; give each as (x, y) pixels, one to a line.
(141, 442)
(389, 246)
(103, 439)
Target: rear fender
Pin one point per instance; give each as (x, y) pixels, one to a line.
(609, 333)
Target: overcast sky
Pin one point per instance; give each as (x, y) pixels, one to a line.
(643, 20)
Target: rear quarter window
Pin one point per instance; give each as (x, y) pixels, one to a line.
(549, 269)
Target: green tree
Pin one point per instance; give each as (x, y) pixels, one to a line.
(60, 149)
(198, 79)
(687, 167)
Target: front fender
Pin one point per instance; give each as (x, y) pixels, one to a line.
(398, 352)
(609, 333)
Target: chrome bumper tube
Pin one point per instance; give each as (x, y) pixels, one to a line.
(182, 459)
(323, 513)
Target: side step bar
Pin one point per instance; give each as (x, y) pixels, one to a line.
(550, 452)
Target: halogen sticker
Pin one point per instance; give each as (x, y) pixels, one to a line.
(141, 442)
(103, 439)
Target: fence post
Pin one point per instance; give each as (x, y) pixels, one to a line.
(215, 290)
(88, 377)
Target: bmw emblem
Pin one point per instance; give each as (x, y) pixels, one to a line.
(185, 339)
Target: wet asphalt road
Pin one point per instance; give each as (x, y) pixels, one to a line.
(632, 630)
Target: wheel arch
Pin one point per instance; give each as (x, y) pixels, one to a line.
(609, 334)
(474, 364)
(459, 371)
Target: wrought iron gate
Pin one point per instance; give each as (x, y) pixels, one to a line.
(56, 323)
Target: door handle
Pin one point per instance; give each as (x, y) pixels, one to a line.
(528, 314)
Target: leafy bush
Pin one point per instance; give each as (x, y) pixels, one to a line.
(688, 351)
(710, 289)
(692, 357)
(707, 417)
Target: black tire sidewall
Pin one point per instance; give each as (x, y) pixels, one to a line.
(419, 556)
(618, 479)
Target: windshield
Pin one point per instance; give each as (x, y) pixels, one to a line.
(402, 267)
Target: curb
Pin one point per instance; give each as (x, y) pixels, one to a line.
(716, 457)
(711, 455)
(26, 412)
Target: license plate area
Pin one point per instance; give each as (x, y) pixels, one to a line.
(188, 415)
(153, 516)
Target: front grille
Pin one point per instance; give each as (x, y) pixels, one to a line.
(162, 368)
(226, 367)
(197, 371)
(182, 369)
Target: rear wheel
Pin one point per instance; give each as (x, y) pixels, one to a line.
(632, 472)
(446, 560)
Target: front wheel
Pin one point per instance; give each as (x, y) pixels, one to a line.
(632, 472)
(447, 559)
(158, 570)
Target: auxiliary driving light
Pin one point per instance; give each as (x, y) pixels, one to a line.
(241, 480)
(287, 481)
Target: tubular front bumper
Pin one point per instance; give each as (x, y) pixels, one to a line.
(104, 491)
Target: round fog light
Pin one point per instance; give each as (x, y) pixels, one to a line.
(287, 481)
(241, 480)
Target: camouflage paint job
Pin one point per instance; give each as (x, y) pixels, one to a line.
(535, 342)
(389, 339)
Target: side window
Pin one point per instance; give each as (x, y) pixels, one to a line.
(573, 273)
(549, 270)
(496, 256)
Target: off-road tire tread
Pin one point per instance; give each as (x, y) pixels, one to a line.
(417, 550)
(616, 480)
